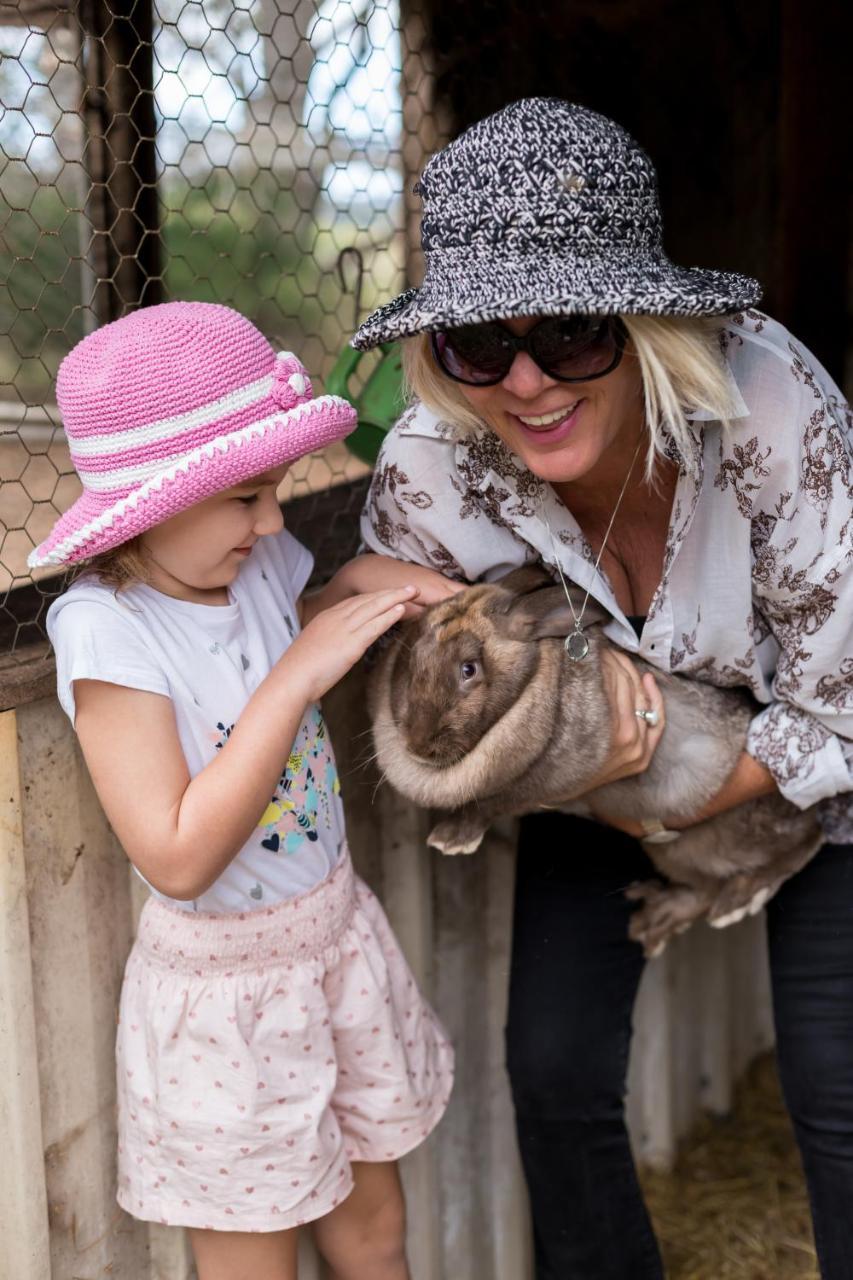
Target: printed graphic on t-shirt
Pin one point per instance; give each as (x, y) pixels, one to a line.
(302, 801)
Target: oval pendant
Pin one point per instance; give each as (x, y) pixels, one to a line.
(577, 646)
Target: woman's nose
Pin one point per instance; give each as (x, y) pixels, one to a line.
(525, 379)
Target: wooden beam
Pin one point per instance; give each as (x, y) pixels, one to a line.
(24, 1241)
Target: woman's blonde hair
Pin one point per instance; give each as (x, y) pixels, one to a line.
(681, 366)
(118, 568)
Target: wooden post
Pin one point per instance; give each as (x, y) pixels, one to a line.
(24, 1242)
(425, 124)
(124, 253)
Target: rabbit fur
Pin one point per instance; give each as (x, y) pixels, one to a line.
(530, 729)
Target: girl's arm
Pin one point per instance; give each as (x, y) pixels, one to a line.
(374, 573)
(181, 832)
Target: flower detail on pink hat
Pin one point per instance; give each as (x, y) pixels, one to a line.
(290, 383)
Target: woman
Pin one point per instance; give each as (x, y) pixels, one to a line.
(582, 401)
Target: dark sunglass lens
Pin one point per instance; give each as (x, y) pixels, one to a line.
(575, 347)
(477, 353)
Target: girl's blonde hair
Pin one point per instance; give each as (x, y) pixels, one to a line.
(681, 366)
(118, 568)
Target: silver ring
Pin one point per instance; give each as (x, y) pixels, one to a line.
(651, 717)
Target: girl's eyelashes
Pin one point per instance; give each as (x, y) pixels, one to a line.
(248, 499)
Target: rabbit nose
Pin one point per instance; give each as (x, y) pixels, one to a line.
(425, 742)
(422, 744)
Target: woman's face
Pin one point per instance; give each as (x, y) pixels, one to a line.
(562, 431)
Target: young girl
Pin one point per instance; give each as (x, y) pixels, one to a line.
(275, 1058)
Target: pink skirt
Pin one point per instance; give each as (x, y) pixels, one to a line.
(260, 1053)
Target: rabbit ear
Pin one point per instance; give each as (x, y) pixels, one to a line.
(544, 614)
(530, 577)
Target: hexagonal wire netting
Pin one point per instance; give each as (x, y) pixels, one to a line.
(158, 149)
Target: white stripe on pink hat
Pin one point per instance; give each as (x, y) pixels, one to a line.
(166, 428)
(119, 480)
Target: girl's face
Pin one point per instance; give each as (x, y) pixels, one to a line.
(197, 554)
(562, 431)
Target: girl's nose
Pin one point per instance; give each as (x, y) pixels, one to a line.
(269, 517)
(525, 379)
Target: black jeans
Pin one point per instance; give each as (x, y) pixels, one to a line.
(572, 988)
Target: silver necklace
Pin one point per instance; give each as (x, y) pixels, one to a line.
(576, 643)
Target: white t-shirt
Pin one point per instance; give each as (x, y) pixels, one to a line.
(209, 660)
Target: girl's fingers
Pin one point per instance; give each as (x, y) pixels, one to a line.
(358, 608)
(372, 628)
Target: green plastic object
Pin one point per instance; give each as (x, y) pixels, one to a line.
(378, 404)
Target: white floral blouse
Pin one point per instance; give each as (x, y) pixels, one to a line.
(757, 586)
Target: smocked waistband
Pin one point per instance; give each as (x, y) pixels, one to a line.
(295, 929)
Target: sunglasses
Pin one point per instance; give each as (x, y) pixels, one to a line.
(568, 348)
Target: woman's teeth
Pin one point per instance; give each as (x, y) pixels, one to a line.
(548, 419)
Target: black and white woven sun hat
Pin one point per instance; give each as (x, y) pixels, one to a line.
(546, 208)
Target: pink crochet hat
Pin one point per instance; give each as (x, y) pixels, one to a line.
(170, 405)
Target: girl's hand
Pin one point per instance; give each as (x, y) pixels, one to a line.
(634, 740)
(335, 639)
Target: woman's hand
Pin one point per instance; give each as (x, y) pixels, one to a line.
(634, 748)
(633, 739)
(376, 573)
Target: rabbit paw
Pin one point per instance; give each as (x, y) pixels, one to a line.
(666, 912)
(741, 897)
(452, 836)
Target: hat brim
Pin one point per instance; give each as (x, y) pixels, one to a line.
(461, 289)
(91, 526)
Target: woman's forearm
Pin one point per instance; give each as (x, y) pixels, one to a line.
(371, 572)
(749, 780)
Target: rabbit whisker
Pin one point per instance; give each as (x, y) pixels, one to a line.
(382, 778)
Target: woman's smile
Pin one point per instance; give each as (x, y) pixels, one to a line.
(548, 428)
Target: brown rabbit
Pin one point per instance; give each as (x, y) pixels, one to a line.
(477, 709)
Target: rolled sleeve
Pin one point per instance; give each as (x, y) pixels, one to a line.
(803, 588)
(808, 763)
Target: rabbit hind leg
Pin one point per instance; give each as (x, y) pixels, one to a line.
(667, 910)
(741, 896)
(746, 893)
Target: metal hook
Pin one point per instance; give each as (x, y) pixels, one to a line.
(356, 254)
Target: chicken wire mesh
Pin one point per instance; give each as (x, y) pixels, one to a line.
(207, 150)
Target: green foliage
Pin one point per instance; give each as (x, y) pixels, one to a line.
(40, 287)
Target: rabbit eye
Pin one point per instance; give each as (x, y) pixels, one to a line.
(468, 670)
